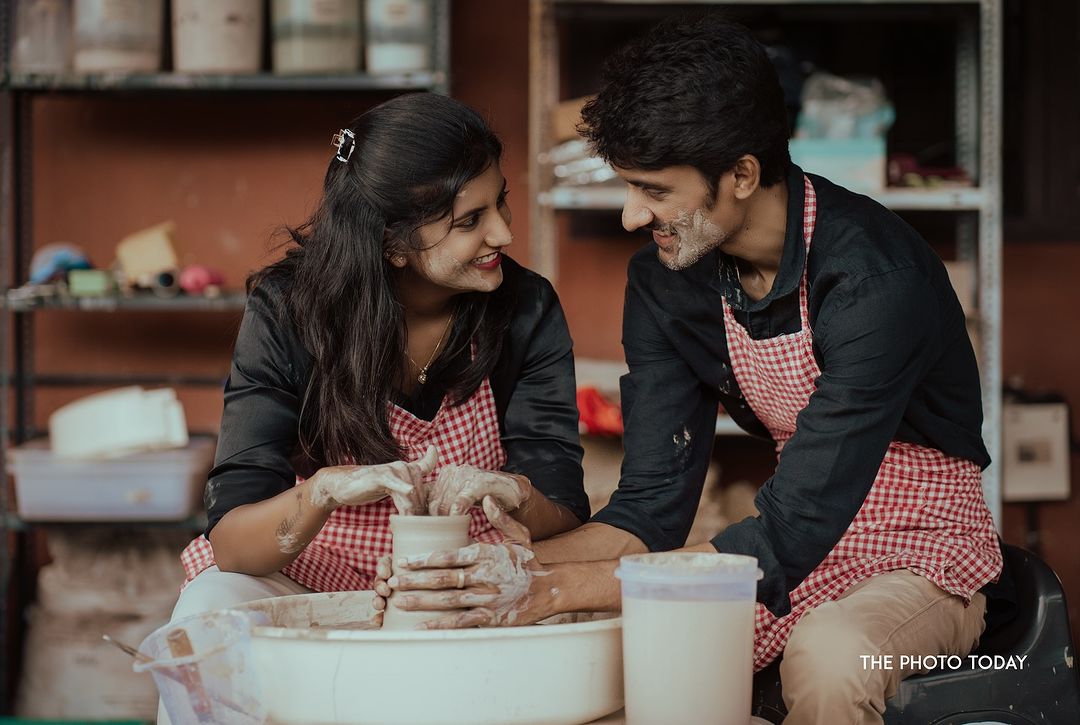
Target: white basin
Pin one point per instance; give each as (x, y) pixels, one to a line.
(312, 673)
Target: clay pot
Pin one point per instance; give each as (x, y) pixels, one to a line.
(416, 535)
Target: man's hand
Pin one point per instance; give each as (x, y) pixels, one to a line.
(457, 488)
(496, 584)
(335, 486)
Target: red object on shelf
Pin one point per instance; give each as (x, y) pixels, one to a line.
(197, 279)
(599, 416)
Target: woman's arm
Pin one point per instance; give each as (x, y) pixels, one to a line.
(258, 520)
(264, 537)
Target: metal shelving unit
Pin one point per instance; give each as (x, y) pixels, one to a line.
(978, 217)
(114, 303)
(261, 82)
(17, 92)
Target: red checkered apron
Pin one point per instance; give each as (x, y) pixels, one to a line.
(925, 511)
(342, 556)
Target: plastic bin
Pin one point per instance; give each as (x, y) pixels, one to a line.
(854, 163)
(217, 36)
(157, 486)
(322, 37)
(400, 35)
(204, 671)
(688, 637)
(42, 36)
(118, 36)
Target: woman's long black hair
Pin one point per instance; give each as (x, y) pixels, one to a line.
(413, 155)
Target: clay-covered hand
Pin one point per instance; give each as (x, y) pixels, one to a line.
(496, 584)
(383, 571)
(335, 486)
(457, 488)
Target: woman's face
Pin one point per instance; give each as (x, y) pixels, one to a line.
(462, 252)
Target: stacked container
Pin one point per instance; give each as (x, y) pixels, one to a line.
(217, 36)
(400, 35)
(118, 36)
(316, 36)
(42, 36)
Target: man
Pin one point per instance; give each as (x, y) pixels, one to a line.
(814, 316)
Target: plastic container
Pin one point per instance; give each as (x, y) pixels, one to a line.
(417, 535)
(400, 35)
(158, 486)
(42, 36)
(203, 669)
(318, 664)
(688, 637)
(856, 163)
(316, 37)
(217, 36)
(118, 36)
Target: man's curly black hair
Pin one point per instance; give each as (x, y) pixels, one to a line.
(694, 91)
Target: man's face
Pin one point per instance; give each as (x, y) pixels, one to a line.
(674, 202)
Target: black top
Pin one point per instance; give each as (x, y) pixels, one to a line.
(533, 384)
(896, 361)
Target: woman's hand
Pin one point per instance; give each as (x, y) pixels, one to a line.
(496, 584)
(458, 488)
(335, 486)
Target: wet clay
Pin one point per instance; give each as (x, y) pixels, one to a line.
(419, 536)
(697, 236)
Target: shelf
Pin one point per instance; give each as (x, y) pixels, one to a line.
(196, 522)
(604, 376)
(942, 198)
(767, 2)
(118, 82)
(17, 301)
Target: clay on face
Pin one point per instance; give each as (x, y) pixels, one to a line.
(696, 236)
(449, 252)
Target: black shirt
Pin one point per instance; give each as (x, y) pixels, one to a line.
(533, 385)
(896, 364)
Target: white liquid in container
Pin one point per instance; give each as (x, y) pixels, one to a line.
(688, 637)
(687, 662)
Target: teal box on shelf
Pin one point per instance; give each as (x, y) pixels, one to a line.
(855, 163)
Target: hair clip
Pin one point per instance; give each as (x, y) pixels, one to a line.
(345, 140)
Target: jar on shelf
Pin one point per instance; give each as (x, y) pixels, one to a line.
(42, 36)
(316, 36)
(118, 36)
(217, 36)
(400, 35)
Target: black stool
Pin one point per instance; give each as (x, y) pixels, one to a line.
(1046, 691)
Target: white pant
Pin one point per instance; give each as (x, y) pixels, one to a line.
(216, 589)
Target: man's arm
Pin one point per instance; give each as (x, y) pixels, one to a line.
(669, 422)
(591, 542)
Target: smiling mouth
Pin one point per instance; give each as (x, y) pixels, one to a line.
(486, 259)
(666, 242)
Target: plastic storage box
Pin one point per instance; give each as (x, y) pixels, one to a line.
(157, 486)
(855, 163)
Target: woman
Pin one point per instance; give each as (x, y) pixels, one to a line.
(394, 360)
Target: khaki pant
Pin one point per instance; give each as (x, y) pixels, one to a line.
(825, 678)
(214, 589)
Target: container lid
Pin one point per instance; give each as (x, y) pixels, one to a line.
(38, 451)
(688, 567)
